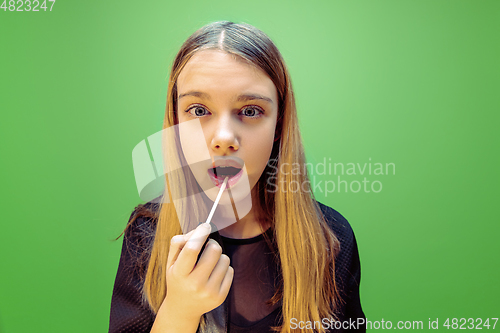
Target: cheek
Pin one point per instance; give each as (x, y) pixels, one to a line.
(261, 147)
(193, 142)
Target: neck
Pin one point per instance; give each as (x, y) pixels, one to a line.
(248, 226)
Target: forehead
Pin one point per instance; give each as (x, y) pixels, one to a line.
(217, 72)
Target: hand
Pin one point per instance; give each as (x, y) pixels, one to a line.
(196, 288)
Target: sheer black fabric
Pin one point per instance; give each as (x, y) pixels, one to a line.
(254, 282)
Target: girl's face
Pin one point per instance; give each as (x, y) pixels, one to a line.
(237, 107)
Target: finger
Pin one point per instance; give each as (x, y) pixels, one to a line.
(182, 241)
(219, 272)
(179, 241)
(176, 244)
(226, 283)
(189, 253)
(189, 234)
(208, 260)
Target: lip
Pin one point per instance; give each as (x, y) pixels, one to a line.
(227, 161)
(218, 180)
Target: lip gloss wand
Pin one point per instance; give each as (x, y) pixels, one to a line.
(222, 188)
(209, 218)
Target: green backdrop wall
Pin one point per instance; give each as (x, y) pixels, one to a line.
(411, 84)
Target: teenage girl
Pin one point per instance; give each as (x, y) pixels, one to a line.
(287, 264)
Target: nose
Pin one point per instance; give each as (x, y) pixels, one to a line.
(224, 140)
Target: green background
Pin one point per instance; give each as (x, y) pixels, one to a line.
(414, 83)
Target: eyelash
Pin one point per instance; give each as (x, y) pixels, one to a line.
(261, 112)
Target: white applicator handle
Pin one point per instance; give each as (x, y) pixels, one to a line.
(222, 188)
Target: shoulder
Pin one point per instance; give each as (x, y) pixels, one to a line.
(142, 220)
(347, 263)
(139, 236)
(145, 210)
(347, 266)
(338, 224)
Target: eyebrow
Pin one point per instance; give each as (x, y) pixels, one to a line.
(241, 98)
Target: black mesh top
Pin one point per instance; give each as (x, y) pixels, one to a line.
(254, 282)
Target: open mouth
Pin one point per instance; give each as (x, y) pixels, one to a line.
(218, 174)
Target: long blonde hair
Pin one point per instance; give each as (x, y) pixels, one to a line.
(306, 246)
